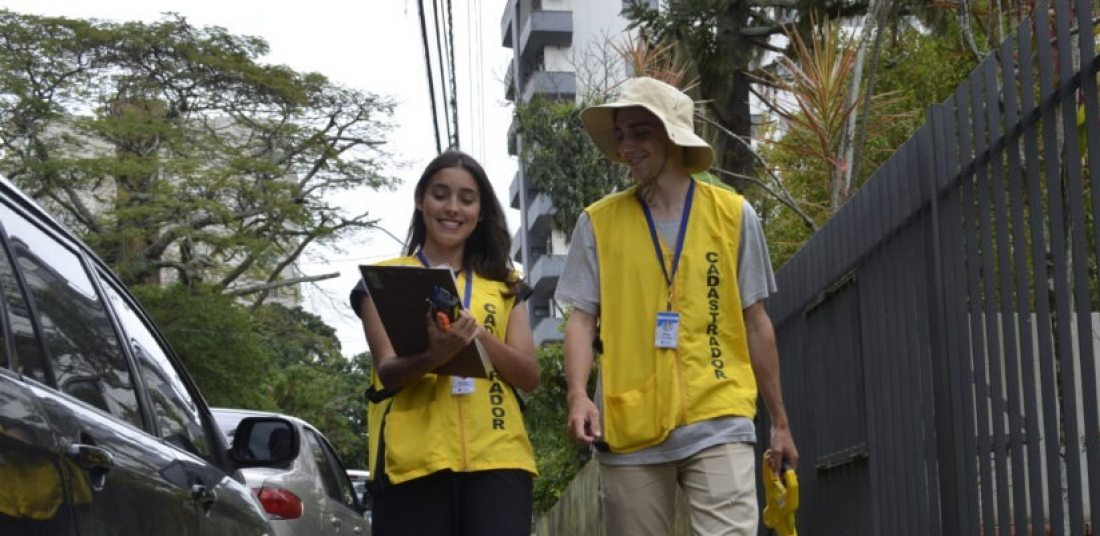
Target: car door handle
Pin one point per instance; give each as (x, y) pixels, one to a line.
(204, 495)
(98, 461)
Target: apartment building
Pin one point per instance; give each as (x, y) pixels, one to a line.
(549, 40)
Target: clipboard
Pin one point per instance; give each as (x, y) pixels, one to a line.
(400, 295)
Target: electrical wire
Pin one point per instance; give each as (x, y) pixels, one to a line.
(431, 76)
(453, 102)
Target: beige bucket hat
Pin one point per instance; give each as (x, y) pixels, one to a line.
(671, 106)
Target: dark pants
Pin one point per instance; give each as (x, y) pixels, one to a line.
(481, 503)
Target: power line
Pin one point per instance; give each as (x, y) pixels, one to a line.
(454, 86)
(431, 76)
(440, 65)
(439, 42)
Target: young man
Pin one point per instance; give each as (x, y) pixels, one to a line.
(674, 272)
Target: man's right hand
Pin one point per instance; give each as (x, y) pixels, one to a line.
(584, 420)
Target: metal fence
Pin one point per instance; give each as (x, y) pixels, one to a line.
(939, 336)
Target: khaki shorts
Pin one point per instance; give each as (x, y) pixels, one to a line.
(719, 484)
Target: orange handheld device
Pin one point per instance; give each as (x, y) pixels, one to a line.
(781, 497)
(444, 307)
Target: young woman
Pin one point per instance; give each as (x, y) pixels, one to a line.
(449, 455)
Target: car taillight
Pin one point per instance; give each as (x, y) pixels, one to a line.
(280, 503)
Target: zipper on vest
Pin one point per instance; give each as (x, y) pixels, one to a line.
(462, 435)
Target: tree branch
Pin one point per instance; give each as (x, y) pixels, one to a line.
(783, 196)
(271, 285)
(785, 4)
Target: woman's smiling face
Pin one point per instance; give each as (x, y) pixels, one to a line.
(451, 207)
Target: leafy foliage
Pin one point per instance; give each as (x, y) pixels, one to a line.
(562, 162)
(557, 456)
(313, 381)
(176, 153)
(917, 69)
(278, 359)
(215, 339)
(818, 79)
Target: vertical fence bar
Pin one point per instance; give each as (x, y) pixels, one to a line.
(900, 461)
(961, 296)
(1060, 311)
(1079, 268)
(923, 446)
(1090, 95)
(998, 294)
(880, 441)
(1018, 330)
(997, 285)
(947, 470)
(1039, 349)
(930, 329)
(1081, 299)
(980, 253)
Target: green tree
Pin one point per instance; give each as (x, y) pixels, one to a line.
(275, 358)
(561, 161)
(216, 340)
(177, 154)
(725, 41)
(558, 458)
(312, 380)
(918, 69)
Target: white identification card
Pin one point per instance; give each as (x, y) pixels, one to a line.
(668, 329)
(461, 386)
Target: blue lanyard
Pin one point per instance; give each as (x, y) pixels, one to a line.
(679, 239)
(469, 277)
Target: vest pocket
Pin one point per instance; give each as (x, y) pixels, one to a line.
(633, 419)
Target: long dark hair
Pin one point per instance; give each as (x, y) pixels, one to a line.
(487, 248)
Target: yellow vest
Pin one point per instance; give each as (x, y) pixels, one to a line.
(428, 429)
(31, 486)
(648, 391)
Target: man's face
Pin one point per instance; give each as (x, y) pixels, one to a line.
(643, 143)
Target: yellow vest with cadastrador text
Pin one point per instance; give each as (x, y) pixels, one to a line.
(648, 391)
(429, 430)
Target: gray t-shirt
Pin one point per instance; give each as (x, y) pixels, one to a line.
(579, 286)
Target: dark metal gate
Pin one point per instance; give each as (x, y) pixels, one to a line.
(938, 337)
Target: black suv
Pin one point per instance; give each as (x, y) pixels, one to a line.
(102, 432)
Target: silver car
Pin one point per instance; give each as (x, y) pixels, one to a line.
(301, 482)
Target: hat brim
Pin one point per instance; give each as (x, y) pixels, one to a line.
(599, 122)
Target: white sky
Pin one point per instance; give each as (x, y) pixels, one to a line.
(374, 46)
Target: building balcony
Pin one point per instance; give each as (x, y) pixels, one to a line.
(540, 216)
(513, 129)
(545, 273)
(517, 243)
(538, 28)
(557, 85)
(543, 29)
(546, 330)
(506, 19)
(513, 192)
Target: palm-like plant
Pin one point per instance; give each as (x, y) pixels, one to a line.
(815, 103)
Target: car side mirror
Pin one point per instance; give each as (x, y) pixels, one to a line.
(264, 441)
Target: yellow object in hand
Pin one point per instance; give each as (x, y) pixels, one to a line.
(781, 498)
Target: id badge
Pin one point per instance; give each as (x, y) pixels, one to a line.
(461, 386)
(668, 329)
